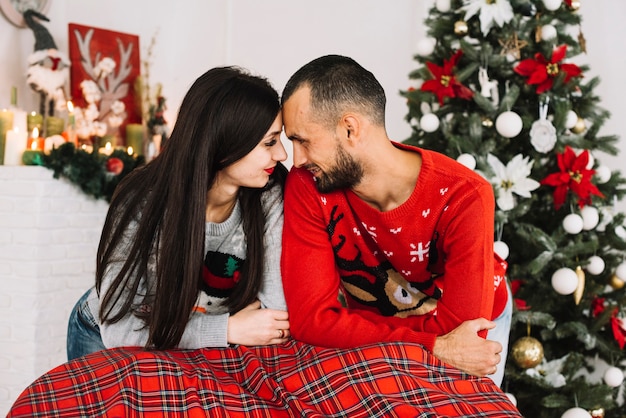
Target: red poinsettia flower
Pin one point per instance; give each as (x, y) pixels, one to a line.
(520, 304)
(542, 72)
(618, 326)
(574, 176)
(597, 306)
(445, 83)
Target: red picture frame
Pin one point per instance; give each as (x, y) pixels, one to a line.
(87, 47)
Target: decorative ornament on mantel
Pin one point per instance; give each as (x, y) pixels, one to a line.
(95, 173)
(48, 68)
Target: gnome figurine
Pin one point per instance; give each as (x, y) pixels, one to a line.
(48, 68)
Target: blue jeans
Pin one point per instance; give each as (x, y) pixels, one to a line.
(501, 334)
(83, 332)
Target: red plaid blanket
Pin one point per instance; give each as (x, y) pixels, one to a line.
(290, 380)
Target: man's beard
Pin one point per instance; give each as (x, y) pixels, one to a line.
(345, 174)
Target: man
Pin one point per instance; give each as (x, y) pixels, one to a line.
(404, 234)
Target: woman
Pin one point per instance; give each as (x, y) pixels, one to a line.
(189, 253)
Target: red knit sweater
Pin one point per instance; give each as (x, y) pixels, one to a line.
(408, 274)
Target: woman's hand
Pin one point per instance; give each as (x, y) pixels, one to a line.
(255, 326)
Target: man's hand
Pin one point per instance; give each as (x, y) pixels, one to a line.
(465, 350)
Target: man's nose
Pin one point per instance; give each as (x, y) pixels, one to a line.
(299, 156)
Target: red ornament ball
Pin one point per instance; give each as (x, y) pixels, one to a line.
(114, 166)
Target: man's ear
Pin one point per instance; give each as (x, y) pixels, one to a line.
(351, 126)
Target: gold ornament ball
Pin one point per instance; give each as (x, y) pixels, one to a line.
(461, 28)
(580, 126)
(527, 352)
(575, 5)
(616, 283)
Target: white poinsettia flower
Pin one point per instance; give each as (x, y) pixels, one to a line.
(489, 12)
(512, 178)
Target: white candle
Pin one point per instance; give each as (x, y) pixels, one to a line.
(14, 146)
(19, 119)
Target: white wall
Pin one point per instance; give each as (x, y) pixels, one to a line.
(275, 37)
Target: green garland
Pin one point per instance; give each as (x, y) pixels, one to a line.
(92, 172)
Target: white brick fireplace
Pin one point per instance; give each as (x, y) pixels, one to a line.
(49, 232)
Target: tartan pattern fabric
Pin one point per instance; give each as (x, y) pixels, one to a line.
(289, 380)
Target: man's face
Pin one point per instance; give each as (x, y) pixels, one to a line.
(318, 148)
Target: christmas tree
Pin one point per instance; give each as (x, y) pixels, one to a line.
(497, 89)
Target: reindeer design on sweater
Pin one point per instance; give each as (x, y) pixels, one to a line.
(380, 286)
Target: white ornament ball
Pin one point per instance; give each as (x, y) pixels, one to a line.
(429, 122)
(576, 413)
(590, 216)
(501, 248)
(548, 33)
(620, 271)
(565, 281)
(512, 398)
(442, 5)
(425, 47)
(467, 160)
(571, 118)
(602, 174)
(613, 376)
(552, 5)
(573, 223)
(595, 265)
(509, 124)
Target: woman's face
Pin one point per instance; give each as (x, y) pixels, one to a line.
(255, 168)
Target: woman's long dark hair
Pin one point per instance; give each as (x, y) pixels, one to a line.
(223, 116)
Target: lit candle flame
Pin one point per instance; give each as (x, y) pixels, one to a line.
(70, 106)
(130, 150)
